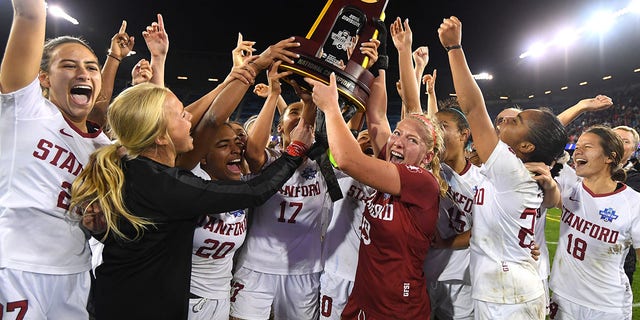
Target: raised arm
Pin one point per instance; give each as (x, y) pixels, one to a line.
(262, 90)
(600, 102)
(260, 132)
(376, 113)
(157, 40)
(469, 95)
(376, 173)
(21, 60)
(121, 46)
(218, 105)
(402, 39)
(432, 102)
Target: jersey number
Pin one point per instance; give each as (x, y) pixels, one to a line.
(283, 208)
(12, 306)
(235, 289)
(64, 196)
(456, 214)
(579, 247)
(216, 250)
(326, 305)
(524, 232)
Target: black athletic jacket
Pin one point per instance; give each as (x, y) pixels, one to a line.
(149, 278)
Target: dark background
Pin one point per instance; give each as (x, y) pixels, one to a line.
(203, 33)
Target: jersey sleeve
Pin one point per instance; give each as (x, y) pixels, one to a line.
(182, 191)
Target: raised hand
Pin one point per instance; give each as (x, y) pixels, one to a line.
(261, 90)
(325, 96)
(121, 42)
(421, 57)
(401, 34)
(599, 102)
(370, 49)
(278, 51)
(141, 72)
(157, 38)
(450, 32)
(242, 51)
(274, 78)
(303, 132)
(430, 81)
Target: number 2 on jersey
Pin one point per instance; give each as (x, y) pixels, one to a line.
(283, 209)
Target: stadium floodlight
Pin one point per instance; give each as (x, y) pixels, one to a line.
(565, 37)
(183, 77)
(634, 6)
(56, 11)
(601, 21)
(547, 92)
(213, 80)
(564, 88)
(535, 50)
(483, 76)
(531, 96)
(504, 98)
(607, 77)
(583, 83)
(636, 70)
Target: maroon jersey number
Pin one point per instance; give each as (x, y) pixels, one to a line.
(22, 305)
(283, 210)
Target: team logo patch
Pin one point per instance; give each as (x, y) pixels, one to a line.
(608, 214)
(309, 173)
(413, 169)
(237, 213)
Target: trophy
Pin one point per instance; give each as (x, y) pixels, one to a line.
(331, 46)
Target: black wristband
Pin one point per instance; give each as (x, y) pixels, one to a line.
(456, 46)
(382, 63)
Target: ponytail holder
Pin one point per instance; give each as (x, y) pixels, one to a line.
(428, 123)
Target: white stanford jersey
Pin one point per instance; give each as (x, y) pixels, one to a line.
(286, 231)
(341, 243)
(40, 156)
(596, 231)
(215, 241)
(505, 209)
(454, 217)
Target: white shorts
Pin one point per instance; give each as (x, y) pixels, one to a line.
(209, 309)
(253, 294)
(547, 299)
(37, 296)
(334, 293)
(530, 310)
(563, 309)
(450, 300)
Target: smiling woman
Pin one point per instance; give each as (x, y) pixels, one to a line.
(598, 226)
(48, 141)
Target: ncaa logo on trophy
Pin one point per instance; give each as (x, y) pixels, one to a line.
(330, 47)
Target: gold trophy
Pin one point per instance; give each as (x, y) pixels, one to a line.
(330, 46)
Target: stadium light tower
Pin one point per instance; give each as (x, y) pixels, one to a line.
(56, 11)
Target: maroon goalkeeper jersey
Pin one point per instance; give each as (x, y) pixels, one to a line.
(396, 234)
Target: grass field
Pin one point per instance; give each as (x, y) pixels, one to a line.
(552, 230)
